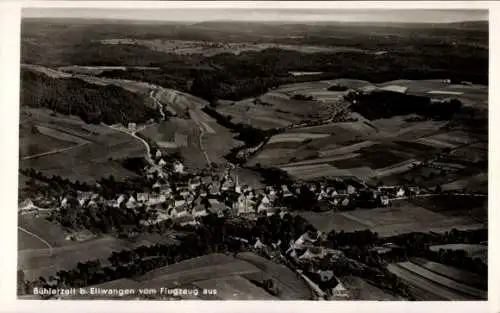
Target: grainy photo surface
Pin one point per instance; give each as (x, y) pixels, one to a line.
(230, 154)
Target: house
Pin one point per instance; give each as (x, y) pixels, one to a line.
(132, 126)
(186, 220)
(64, 202)
(345, 202)
(158, 154)
(194, 183)
(384, 200)
(286, 191)
(142, 197)
(312, 253)
(131, 203)
(155, 199)
(400, 193)
(178, 167)
(179, 201)
(237, 187)
(179, 212)
(216, 207)
(85, 196)
(162, 163)
(258, 244)
(120, 199)
(157, 185)
(26, 205)
(199, 211)
(351, 190)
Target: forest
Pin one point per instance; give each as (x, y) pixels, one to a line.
(92, 103)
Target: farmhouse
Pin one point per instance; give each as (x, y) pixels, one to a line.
(162, 163)
(158, 154)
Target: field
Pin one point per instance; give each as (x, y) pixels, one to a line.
(359, 289)
(47, 262)
(52, 233)
(474, 251)
(231, 276)
(184, 47)
(290, 284)
(96, 70)
(93, 152)
(402, 217)
(444, 282)
(474, 208)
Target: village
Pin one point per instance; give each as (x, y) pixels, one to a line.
(182, 196)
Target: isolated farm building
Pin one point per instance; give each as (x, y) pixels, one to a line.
(132, 126)
(158, 154)
(381, 250)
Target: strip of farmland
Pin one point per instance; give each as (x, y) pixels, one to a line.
(450, 272)
(347, 149)
(442, 280)
(235, 288)
(426, 285)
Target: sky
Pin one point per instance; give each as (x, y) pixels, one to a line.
(295, 15)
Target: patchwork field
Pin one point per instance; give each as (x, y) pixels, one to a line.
(359, 289)
(47, 262)
(183, 47)
(400, 218)
(96, 70)
(233, 276)
(93, 152)
(444, 282)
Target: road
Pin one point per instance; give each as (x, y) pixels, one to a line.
(37, 237)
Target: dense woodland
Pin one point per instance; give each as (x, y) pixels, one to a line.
(92, 103)
(458, 52)
(381, 104)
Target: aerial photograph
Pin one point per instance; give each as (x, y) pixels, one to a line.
(253, 154)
